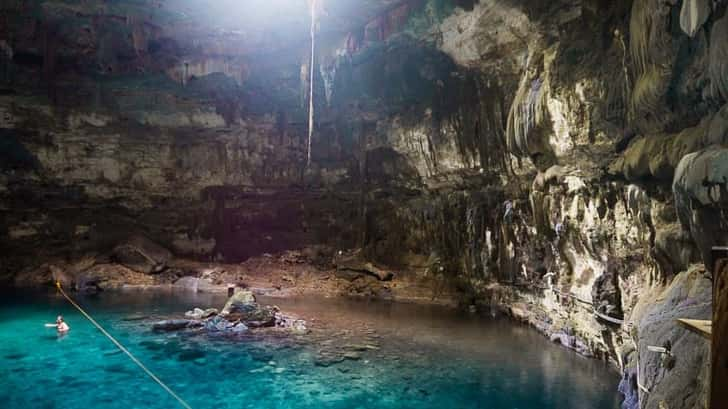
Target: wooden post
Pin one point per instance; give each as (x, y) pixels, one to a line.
(719, 350)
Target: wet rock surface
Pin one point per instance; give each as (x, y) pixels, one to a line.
(664, 375)
(240, 313)
(561, 161)
(174, 325)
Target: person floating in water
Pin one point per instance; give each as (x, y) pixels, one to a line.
(60, 325)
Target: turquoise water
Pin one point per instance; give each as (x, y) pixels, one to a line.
(420, 357)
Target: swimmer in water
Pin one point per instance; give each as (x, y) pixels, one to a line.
(60, 325)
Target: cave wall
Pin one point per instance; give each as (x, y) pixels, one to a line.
(566, 168)
(562, 161)
(161, 120)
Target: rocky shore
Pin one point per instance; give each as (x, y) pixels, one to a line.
(139, 263)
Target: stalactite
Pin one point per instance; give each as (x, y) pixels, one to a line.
(496, 117)
(619, 91)
(718, 65)
(328, 74)
(648, 91)
(353, 42)
(476, 121)
(528, 111)
(640, 26)
(650, 46)
(304, 77)
(693, 15)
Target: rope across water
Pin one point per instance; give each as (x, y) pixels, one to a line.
(123, 349)
(311, 83)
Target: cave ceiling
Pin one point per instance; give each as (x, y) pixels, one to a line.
(224, 27)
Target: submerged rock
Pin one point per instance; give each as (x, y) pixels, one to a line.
(239, 327)
(190, 355)
(326, 360)
(175, 325)
(296, 326)
(217, 324)
(299, 327)
(352, 356)
(135, 317)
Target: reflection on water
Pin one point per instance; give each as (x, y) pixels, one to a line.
(377, 355)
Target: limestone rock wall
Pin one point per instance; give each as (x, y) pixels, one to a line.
(562, 160)
(133, 118)
(591, 205)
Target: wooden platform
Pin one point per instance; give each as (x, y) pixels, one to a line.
(702, 327)
(719, 349)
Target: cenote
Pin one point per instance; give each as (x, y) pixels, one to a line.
(496, 204)
(398, 356)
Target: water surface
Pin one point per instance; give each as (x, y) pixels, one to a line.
(397, 356)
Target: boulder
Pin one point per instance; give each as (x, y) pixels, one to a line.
(354, 262)
(700, 187)
(295, 325)
(242, 301)
(243, 307)
(141, 254)
(199, 314)
(299, 327)
(256, 316)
